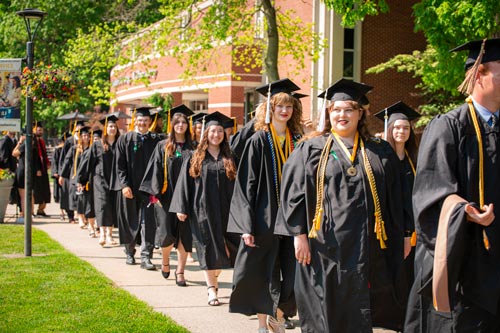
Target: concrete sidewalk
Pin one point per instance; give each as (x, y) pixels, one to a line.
(185, 305)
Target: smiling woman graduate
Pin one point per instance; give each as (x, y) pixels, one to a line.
(341, 200)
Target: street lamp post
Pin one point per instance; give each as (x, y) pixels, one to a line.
(32, 19)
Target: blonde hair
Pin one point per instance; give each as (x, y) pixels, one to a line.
(294, 124)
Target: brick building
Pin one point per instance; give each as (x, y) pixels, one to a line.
(349, 54)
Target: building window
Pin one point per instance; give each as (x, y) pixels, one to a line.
(259, 20)
(348, 64)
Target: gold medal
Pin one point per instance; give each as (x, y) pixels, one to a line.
(351, 171)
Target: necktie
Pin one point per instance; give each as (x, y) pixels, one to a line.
(493, 121)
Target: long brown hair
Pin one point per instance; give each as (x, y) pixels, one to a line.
(294, 123)
(105, 143)
(200, 153)
(411, 145)
(170, 145)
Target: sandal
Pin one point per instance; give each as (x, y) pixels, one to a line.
(212, 299)
(102, 241)
(179, 282)
(110, 241)
(163, 273)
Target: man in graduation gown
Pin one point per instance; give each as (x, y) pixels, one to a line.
(64, 182)
(41, 186)
(457, 282)
(136, 220)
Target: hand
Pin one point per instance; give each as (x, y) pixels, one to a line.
(407, 247)
(60, 181)
(127, 192)
(22, 139)
(249, 240)
(56, 175)
(302, 251)
(79, 187)
(484, 218)
(181, 217)
(39, 173)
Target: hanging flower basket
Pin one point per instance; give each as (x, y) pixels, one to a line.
(50, 83)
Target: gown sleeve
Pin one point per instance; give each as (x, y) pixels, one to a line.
(152, 183)
(121, 163)
(242, 212)
(185, 184)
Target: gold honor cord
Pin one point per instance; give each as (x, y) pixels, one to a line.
(165, 174)
(413, 240)
(76, 154)
(351, 171)
(379, 222)
(283, 156)
(481, 164)
(320, 188)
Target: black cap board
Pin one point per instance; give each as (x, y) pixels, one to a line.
(181, 109)
(216, 118)
(38, 123)
(345, 90)
(85, 129)
(491, 51)
(110, 119)
(298, 95)
(198, 117)
(143, 111)
(97, 132)
(284, 85)
(398, 111)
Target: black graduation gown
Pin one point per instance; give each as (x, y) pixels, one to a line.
(169, 230)
(56, 189)
(448, 164)
(348, 287)
(131, 157)
(205, 200)
(41, 186)
(98, 168)
(240, 138)
(7, 161)
(86, 199)
(70, 171)
(256, 279)
(65, 188)
(21, 167)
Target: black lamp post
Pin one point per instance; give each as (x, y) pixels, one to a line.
(32, 19)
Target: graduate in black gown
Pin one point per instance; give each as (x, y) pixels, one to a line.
(159, 182)
(98, 169)
(19, 152)
(66, 197)
(79, 200)
(56, 188)
(136, 220)
(341, 200)
(201, 197)
(41, 186)
(456, 203)
(399, 133)
(7, 161)
(264, 258)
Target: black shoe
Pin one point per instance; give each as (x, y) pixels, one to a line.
(165, 274)
(180, 283)
(289, 325)
(147, 264)
(130, 260)
(41, 213)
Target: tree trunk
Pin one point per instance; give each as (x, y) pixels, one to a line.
(271, 58)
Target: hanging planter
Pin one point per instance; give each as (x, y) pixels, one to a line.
(45, 82)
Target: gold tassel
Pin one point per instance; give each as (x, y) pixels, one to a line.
(468, 84)
(168, 121)
(153, 125)
(413, 240)
(131, 126)
(235, 126)
(165, 175)
(105, 129)
(74, 128)
(87, 187)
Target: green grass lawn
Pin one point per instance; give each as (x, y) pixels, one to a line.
(58, 292)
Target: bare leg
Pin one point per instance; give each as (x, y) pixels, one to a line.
(165, 261)
(181, 264)
(211, 281)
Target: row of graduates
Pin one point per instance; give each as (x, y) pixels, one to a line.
(158, 191)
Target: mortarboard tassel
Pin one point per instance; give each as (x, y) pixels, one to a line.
(202, 127)
(153, 125)
(386, 123)
(235, 126)
(131, 126)
(268, 105)
(467, 85)
(105, 129)
(168, 121)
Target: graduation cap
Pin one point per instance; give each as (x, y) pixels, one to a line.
(363, 101)
(480, 52)
(214, 118)
(181, 109)
(84, 129)
(395, 112)
(484, 50)
(97, 132)
(231, 124)
(273, 88)
(342, 90)
(298, 95)
(144, 111)
(110, 118)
